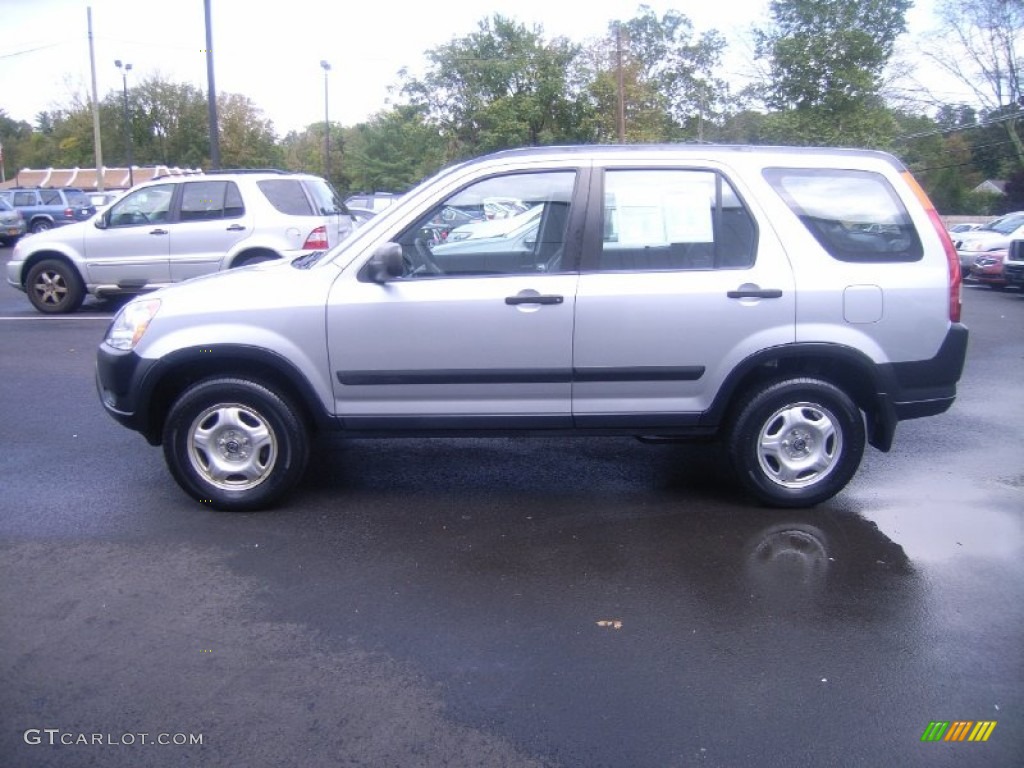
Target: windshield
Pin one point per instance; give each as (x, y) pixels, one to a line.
(1007, 224)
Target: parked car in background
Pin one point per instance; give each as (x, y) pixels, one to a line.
(12, 223)
(376, 201)
(45, 209)
(1013, 267)
(989, 269)
(494, 227)
(177, 227)
(102, 199)
(449, 218)
(795, 303)
(360, 215)
(994, 236)
(965, 227)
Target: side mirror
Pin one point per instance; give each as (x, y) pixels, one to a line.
(102, 221)
(1016, 252)
(386, 263)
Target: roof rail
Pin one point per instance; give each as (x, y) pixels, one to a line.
(248, 170)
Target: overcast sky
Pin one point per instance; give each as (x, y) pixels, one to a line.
(273, 56)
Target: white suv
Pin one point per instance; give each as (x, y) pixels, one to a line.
(174, 228)
(796, 303)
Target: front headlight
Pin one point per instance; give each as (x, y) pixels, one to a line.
(130, 323)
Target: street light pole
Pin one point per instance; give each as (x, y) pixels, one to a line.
(327, 125)
(125, 69)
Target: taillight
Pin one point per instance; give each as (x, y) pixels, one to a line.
(69, 213)
(317, 240)
(952, 260)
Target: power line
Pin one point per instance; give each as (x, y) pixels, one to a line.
(32, 50)
(957, 128)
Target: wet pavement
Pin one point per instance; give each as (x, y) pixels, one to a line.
(561, 602)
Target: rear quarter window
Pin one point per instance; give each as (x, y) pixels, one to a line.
(855, 215)
(78, 199)
(287, 196)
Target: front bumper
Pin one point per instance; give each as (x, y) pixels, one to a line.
(1014, 273)
(121, 382)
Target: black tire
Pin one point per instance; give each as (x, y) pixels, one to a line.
(255, 258)
(54, 287)
(796, 442)
(41, 225)
(262, 441)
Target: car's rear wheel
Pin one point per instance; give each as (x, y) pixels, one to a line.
(235, 444)
(41, 225)
(54, 287)
(254, 258)
(797, 442)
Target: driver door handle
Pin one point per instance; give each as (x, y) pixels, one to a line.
(235, 228)
(158, 231)
(512, 300)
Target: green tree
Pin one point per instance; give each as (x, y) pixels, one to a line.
(826, 59)
(939, 156)
(679, 67)
(247, 139)
(501, 86)
(15, 136)
(393, 151)
(304, 151)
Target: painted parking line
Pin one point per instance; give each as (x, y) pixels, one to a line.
(44, 317)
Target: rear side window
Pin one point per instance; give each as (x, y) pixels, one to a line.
(855, 215)
(78, 199)
(24, 198)
(671, 220)
(287, 196)
(204, 200)
(51, 197)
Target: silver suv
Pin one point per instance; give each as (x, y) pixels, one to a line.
(178, 227)
(796, 303)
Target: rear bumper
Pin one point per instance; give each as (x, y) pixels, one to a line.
(920, 388)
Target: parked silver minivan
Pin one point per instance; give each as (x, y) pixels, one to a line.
(794, 303)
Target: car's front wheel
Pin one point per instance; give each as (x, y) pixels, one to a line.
(235, 444)
(54, 287)
(797, 442)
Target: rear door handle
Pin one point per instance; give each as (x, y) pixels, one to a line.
(534, 299)
(235, 228)
(158, 231)
(755, 293)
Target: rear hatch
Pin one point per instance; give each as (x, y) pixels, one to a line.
(79, 205)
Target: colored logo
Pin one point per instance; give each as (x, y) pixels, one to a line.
(958, 730)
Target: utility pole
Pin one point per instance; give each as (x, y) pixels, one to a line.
(97, 144)
(129, 140)
(211, 94)
(327, 126)
(622, 86)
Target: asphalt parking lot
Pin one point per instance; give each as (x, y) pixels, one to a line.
(506, 602)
